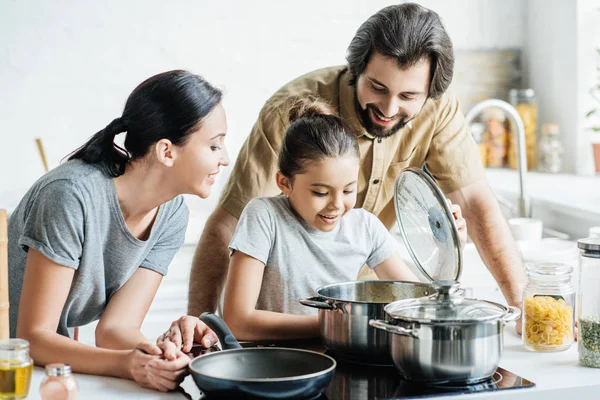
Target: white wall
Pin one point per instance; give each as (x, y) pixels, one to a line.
(560, 41)
(588, 72)
(66, 67)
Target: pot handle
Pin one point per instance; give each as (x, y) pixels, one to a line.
(317, 302)
(512, 314)
(228, 341)
(386, 326)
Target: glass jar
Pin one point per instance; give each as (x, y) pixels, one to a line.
(548, 305)
(525, 102)
(550, 149)
(59, 383)
(16, 368)
(588, 306)
(496, 136)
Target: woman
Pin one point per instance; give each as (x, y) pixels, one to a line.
(92, 239)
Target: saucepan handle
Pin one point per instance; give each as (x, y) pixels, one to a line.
(317, 302)
(228, 341)
(512, 314)
(386, 326)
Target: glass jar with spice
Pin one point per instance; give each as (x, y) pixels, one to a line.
(16, 368)
(59, 383)
(550, 149)
(548, 305)
(588, 304)
(496, 137)
(525, 102)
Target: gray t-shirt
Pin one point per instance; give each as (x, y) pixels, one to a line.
(72, 216)
(299, 258)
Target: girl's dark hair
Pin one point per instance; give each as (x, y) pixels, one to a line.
(407, 33)
(166, 106)
(315, 132)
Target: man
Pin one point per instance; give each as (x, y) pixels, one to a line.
(393, 94)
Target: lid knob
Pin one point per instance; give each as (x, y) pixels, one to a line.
(446, 290)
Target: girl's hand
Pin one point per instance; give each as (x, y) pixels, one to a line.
(461, 224)
(182, 334)
(150, 371)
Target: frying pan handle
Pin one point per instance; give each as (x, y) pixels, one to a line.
(317, 302)
(228, 341)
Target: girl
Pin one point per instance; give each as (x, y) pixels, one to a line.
(286, 246)
(92, 239)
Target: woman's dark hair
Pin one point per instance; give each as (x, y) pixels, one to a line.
(315, 132)
(166, 106)
(407, 33)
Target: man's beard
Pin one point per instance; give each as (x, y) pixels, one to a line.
(378, 130)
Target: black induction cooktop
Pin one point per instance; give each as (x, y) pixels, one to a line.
(356, 381)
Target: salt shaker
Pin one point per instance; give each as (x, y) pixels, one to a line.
(59, 383)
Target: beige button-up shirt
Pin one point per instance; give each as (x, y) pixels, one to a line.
(438, 138)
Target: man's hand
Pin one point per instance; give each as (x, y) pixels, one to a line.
(182, 334)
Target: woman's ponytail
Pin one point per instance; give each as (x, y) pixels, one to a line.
(170, 105)
(101, 149)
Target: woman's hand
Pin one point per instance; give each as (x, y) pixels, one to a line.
(150, 371)
(461, 224)
(182, 334)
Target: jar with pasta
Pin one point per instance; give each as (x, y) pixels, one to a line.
(525, 102)
(548, 307)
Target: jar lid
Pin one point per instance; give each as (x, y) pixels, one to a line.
(494, 113)
(590, 244)
(427, 225)
(544, 271)
(13, 349)
(13, 344)
(58, 369)
(550, 129)
(522, 92)
(446, 306)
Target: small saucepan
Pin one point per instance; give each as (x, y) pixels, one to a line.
(446, 338)
(263, 372)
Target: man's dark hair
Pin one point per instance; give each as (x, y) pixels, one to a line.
(407, 33)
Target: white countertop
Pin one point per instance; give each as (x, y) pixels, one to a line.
(556, 375)
(578, 193)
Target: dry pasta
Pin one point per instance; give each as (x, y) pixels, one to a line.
(548, 322)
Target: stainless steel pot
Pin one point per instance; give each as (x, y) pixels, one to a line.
(446, 338)
(346, 308)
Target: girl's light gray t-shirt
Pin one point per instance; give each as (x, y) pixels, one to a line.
(299, 258)
(72, 216)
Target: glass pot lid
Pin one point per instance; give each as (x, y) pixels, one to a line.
(427, 225)
(445, 306)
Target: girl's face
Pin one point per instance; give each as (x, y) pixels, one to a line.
(324, 192)
(200, 158)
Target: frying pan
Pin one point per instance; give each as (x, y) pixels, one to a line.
(263, 372)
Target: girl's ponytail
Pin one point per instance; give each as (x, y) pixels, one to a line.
(315, 132)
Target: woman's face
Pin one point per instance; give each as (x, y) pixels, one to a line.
(324, 192)
(201, 157)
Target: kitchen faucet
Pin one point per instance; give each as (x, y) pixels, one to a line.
(519, 129)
